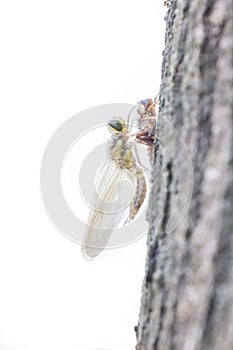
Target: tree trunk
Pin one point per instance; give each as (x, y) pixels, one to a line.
(187, 296)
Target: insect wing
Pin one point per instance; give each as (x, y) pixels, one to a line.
(110, 206)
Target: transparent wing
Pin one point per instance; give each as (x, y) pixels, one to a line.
(110, 206)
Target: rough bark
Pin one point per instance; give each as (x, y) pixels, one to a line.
(187, 296)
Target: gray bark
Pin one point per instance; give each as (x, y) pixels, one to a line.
(187, 294)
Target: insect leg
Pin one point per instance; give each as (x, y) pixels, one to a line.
(137, 154)
(129, 126)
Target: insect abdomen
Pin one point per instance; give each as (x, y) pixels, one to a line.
(140, 192)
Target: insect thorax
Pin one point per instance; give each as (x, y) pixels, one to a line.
(120, 152)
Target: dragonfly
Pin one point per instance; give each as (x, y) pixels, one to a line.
(114, 200)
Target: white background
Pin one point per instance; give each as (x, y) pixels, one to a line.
(58, 58)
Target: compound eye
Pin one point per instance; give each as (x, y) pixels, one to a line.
(115, 124)
(147, 103)
(140, 108)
